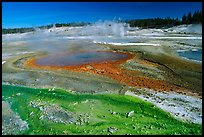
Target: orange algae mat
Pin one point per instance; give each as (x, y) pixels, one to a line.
(113, 70)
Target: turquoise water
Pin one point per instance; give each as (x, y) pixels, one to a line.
(79, 58)
(192, 55)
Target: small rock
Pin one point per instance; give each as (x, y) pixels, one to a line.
(130, 113)
(112, 129)
(41, 108)
(65, 132)
(134, 127)
(86, 101)
(31, 113)
(18, 94)
(113, 113)
(41, 117)
(75, 103)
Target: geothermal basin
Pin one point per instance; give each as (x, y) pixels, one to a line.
(79, 58)
(106, 63)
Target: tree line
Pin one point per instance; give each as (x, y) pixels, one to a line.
(74, 24)
(30, 29)
(190, 18)
(17, 30)
(154, 23)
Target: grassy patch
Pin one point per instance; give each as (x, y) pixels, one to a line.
(101, 113)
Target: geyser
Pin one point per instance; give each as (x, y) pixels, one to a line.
(105, 28)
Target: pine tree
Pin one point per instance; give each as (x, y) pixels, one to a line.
(189, 18)
(184, 19)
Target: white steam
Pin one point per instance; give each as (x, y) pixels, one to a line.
(106, 28)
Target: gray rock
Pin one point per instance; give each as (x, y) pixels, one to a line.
(112, 129)
(130, 113)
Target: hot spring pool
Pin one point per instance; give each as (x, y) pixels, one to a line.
(79, 58)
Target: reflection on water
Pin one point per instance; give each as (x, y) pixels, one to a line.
(79, 58)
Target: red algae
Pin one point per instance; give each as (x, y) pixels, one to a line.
(113, 70)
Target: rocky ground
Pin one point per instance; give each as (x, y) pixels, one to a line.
(12, 124)
(182, 107)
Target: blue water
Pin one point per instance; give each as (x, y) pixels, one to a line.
(192, 55)
(79, 58)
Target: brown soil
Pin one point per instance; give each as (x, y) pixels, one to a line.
(114, 71)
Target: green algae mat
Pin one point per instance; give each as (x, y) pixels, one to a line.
(59, 112)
